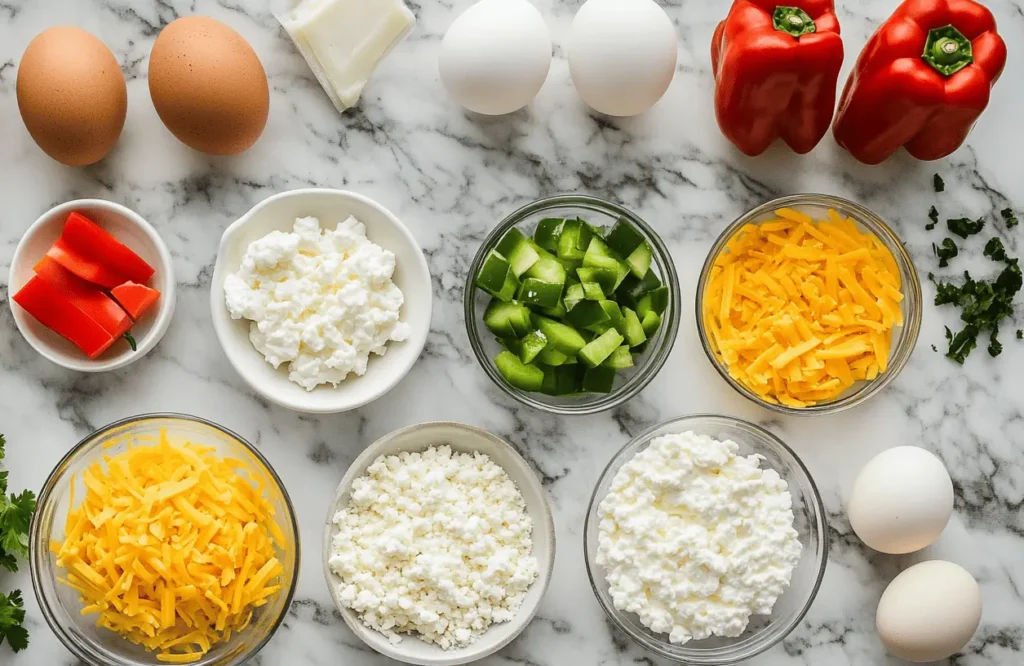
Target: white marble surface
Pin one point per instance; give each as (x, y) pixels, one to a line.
(451, 177)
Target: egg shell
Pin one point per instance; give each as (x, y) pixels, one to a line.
(901, 501)
(929, 612)
(495, 56)
(208, 86)
(622, 55)
(71, 95)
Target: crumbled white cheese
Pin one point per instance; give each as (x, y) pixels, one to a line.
(434, 543)
(319, 301)
(695, 539)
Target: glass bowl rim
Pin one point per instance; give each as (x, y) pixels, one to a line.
(911, 328)
(645, 373)
(80, 649)
(813, 499)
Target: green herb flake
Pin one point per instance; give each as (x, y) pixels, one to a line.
(995, 348)
(1009, 218)
(933, 215)
(965, 226)
(994, 249)
(945, 252)
(1020, 334)
(938, 183)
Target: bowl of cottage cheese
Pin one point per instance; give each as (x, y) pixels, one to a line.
(439, 544)
(706, 540)
(321, 299)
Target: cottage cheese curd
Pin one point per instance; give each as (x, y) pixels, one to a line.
(434, 543)
(319, 301)
(695, 539)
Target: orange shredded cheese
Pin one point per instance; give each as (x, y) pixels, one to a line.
(800, 310)
(172, 546)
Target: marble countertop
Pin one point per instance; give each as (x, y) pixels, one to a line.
(451, 177)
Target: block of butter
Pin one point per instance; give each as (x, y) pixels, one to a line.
(343, 41)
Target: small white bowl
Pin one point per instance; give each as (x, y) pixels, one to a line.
(466, 439)
(278, 213)
(127, 227)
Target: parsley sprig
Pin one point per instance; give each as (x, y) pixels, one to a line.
(15, 516)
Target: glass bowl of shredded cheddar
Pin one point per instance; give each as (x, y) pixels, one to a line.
(809, 304)
(164, 539)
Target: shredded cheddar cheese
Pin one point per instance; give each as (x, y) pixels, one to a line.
(172, 546)
(799, 310)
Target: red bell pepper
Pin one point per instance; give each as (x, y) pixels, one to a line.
(136, 299)
(55, 311)
(87, 238)
(86, 297)
(921, 82)
(776, 68)
(85, 267)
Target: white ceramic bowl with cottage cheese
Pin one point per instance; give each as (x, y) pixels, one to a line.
(466, 439)
(411, 276)
(129, 228)
(762, 631)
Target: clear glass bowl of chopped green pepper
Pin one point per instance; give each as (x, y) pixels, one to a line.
(572, 304)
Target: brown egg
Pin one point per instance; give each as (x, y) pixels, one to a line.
(71, 95)
(208, 86)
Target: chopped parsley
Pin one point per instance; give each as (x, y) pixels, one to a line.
(933, 215)
(984, 304)
(945, 252)
(1020, 334)
(938, 183)
(994, 249)
(1009, 218)
(965, 226)
(15, 516)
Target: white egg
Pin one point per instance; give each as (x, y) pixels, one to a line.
(622, 55)
(929, 612)
(495, 56)
(901, 500)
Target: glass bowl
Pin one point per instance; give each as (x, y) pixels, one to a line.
(629, 382)
(763, 631)
(904, 337)
(60, 604)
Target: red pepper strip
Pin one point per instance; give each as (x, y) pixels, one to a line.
(87, 238)
(86, 297)
(921, 82)
(776, 67)
(44, 302)
(84, 267)
(136, 299)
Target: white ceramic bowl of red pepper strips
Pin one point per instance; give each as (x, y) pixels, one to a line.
(85, 307)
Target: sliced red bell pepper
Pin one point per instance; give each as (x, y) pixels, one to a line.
(776, 67)
(88, 239)
(54, 310)
(85, 267)
(87, 297)
(136, 299)
(921, 82)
